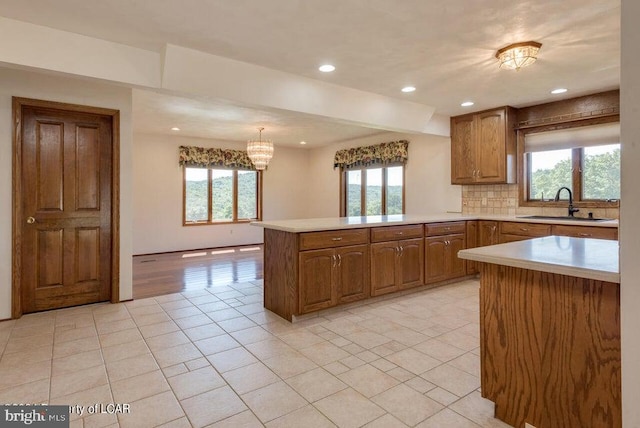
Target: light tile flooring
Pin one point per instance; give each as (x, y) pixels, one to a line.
(216, 358)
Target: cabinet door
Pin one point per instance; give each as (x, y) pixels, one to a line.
(456, 266)
(435, 259)
(487, 233)
(383, 267)
(490, 145)
(411, 263)
(462, 150)
(352, 281)
(472, 242)
(317, 284)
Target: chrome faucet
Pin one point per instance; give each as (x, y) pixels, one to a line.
(571, 209)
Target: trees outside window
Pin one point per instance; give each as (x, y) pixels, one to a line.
(214, 196)
(373, 191)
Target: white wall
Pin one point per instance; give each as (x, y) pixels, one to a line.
(54, 88)
(157, 191)
(629, 209)
(428, 175)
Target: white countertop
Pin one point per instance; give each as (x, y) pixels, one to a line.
(335, 223)
(583, 258)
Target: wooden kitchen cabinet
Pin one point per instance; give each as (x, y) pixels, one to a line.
(332, 276)
(585, 231)
(472, 242)
(442, 244)
(396, 265)
(483, 147)
(517, 231)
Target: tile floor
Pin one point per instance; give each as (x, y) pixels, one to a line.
(216, 358)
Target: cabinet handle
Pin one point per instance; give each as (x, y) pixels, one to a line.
(447, 228)
(399, 233)
(401, 250)
(337, 239)
(524, 229)
(339, 260)
(584, 234)
(334, 258)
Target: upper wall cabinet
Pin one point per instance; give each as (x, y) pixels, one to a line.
(483, 147)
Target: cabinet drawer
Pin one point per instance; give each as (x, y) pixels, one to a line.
(333, 238)
(586, 231)
(435, 229)
(392, 233)
(525, 229)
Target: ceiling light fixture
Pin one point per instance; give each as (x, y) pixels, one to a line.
(518, 55)
(303, 142)
(408, 89)
(175, 128)
(260, 152)
(326, 68)
(559, 91)
(467, 104)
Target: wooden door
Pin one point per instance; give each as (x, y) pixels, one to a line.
(317, 282)
(383, 267)
(462, 150)
(456, 266)
(352, 273)
(411, 263)
(63, 223)
(435, 261)
(472, 242)
(491, 146)
(487, 233)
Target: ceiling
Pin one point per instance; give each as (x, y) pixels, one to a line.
(445, 48)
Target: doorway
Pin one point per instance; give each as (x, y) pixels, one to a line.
(65, 205)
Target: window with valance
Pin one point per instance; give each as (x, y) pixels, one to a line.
(378, 154)
(210, 157)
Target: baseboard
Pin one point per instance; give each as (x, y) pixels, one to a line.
(197, 249)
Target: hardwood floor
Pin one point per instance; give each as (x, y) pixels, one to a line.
(158, 274)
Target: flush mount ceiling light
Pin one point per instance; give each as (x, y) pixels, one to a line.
(260, 152)
(467, 104)
(559, 91)
(408, 89)
(518, 55)
(326, 68)
(175, 128)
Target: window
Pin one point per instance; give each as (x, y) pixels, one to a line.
(581, 159)
(373, 191)
(213, 196)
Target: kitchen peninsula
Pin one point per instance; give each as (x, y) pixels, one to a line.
(550, 331)
(315, 264)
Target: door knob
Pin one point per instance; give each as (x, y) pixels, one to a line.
(31, 220)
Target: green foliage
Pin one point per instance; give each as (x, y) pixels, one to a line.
(374, 200)
(222, 198)
(601, 177)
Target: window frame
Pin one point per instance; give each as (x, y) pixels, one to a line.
(577, 155)
(363, 187)
(209, 221)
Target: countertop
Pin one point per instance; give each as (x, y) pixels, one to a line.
(335, 223)
(579, 257)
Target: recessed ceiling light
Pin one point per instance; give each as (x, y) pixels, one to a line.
(175, 128)
(559, 91)
(408, 89)
(326, 68)
(467, 104)
(303, 142)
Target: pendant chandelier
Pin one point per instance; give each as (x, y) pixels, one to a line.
(518, 55)
(260, 152)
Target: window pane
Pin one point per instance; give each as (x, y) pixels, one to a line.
(550, 171)
(394, 190)
(247, 194)
(373, 198)
(196, 196)
(222, 195)
(354, 184)
(601, 172)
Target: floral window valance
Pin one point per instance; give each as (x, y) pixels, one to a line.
(394, 151)
(209, 157)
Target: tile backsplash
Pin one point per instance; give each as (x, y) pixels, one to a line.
(503, 199)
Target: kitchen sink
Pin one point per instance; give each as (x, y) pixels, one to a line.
(565, 217)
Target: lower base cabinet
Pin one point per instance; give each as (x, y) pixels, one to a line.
(332, 276)
(441, 258)
(396, 265)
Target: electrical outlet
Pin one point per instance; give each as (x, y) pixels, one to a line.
(483, 202)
